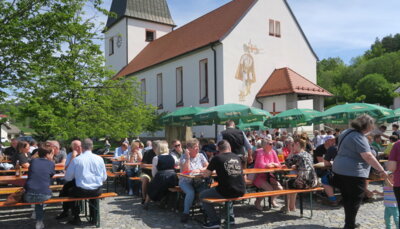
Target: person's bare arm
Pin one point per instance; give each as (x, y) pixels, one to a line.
(371, 160)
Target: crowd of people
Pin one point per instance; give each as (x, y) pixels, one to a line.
(331, 158)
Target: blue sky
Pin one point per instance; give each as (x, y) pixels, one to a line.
(344, 28)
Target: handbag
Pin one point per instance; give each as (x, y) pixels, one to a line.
(15, 197)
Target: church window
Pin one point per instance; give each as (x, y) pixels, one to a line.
(111, 46)
(150, 35)
(203, 81)
(159, 91)
(179, 87)
(271, 27)
(277, 29)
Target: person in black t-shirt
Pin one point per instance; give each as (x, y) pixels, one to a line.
(146, 176)
(10, 151)
(231, 182)
(321, 150)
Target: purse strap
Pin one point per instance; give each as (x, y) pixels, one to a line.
(341, 140)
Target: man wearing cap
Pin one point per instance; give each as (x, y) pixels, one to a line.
(321, 150)
(209, 151)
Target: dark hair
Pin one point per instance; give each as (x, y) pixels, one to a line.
(21, 144)
(393, 138)
(43, 151)
(302, 142)
(395, 125)
(377, 136)
(230, 123)
(383, 127)
(223, 145)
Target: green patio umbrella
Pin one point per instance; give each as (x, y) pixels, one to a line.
(292, 118)
(251, 126)
(237, 112)
(343, 114)
(181, 117)
(391, 118)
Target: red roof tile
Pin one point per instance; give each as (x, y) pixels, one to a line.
(286, 81)
(199, 33)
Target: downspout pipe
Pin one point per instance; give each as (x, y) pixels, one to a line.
(215, 85)
(261, 104)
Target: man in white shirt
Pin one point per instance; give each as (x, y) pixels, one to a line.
(85, 176)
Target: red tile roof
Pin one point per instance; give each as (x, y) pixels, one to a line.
(286, 81)
(199, 33)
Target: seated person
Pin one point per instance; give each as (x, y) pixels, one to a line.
(119, 153)
(306, 178)
(195, 162)
(60, 156)
(76, 147)
(325, 179)
(11, 150)
(85, 176)
(22, 155)
(134, 156)
(145, 176)
(37, 188)
(266, 158)
(377, 144)
(392, 139)
(164, 176)
(231, 183)
(177, 151)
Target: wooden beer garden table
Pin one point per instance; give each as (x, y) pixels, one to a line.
(245, 172)
(57, 168)
(24, 177)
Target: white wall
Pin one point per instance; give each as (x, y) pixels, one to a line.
(279, 100)
(3, 132)
(117, 60)
(137, 35)
(290, 50)
(133, 35)
(191, 89)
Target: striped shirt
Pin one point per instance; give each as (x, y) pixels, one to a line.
(389, 199)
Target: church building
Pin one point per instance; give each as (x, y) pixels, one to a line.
(250, 52)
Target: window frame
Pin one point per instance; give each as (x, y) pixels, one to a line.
(160, 92)
(203, 99)
(277, 29)
(179, 101)
(271, 26)
(111, 46)
(145, 35)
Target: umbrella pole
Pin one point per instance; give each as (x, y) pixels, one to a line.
(216, 132)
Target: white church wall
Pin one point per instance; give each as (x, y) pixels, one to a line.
(251, 36)
(118, 59)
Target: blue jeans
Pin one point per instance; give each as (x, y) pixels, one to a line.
(37, 198)
(391, 211)
(188, 189)
(209, 207)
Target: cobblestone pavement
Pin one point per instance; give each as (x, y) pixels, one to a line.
(126, 212)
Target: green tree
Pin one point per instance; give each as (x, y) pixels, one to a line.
(375, 89)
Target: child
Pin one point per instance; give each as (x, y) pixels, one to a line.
(389, 200)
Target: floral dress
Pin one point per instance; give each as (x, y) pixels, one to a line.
(306, 176)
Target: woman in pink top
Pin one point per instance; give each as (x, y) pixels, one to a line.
(266, 158)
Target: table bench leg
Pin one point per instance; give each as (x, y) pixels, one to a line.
(311, 205)
(301, 204)
(227, 209)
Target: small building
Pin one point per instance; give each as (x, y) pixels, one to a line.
(251, 52)
(396, 102)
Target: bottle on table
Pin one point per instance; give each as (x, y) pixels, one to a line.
(17, 169)
(281, 157)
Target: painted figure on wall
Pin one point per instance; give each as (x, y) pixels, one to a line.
(246, 70)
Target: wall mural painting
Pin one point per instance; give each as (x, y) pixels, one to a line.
(246, 70)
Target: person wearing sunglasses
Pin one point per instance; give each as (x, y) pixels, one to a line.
(266, 158)
(176, 151)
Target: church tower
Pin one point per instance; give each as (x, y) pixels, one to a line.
(135, 24)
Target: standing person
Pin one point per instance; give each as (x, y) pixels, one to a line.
(134, 156)
(231, 182)
(11, 150)
(301, 161)
(85, 176)
(120, 152)
(194, 162)
(396, 130)
(389, 201)
(266, 158)
(37, 186)
(352, 165)
(238, 142)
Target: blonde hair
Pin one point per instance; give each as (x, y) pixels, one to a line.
(161, 147)
(302, 142)
(192, 142)
(135, 145)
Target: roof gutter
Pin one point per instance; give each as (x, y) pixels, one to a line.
(215, 84)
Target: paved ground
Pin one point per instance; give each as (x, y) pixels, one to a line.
(126, 212)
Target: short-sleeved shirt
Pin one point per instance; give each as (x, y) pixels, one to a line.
(197, 162)
(320, 151)
(230, 175)
(40, 173)
(331, 153)
(395, 156)
(60, 156)
(348, 161)
(21, 157)
(10, 151)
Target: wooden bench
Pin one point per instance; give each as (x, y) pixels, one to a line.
(266, 194)
(71, 199)
(134, 178)
(114, 176)
(6, 191)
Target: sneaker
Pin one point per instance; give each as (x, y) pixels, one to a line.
(211, 225)
(33, 216)
(39, 224)
(184, 218)
(231, 220)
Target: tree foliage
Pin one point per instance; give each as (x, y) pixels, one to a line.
(370, 78)
(57, 70)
